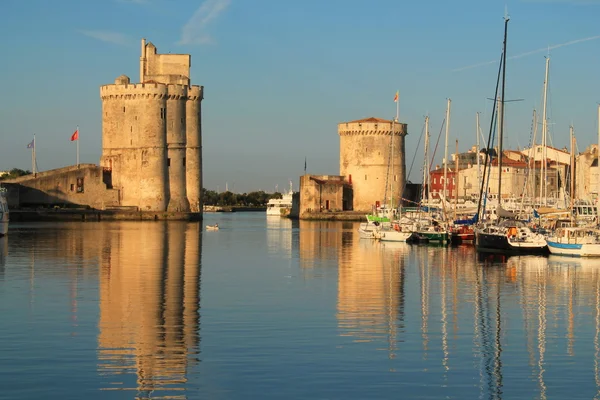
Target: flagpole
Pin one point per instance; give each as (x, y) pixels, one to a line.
(77, 146)
(398, 107)
(33, 156)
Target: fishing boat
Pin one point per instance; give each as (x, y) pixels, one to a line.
(4, 214)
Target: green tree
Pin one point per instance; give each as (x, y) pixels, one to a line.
(14, 173)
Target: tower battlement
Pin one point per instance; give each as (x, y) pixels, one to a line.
(132, 91)
(371, 126)
(196, 92)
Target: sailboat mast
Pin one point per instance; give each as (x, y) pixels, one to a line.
(572, 171)
(543, 189)
(478, 147)
(426, 186)
(532, 157)
(598, 169)
(456, 180)
(446, 149)
(501, 133)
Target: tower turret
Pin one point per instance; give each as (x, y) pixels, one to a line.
(365, 154)
(193, 112)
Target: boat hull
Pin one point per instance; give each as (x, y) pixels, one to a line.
(489, 242)
(393, 236)
(441, 237)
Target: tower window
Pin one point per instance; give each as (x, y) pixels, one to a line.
(365, 177)
(184, 161)
(168, 162)
(123, 109)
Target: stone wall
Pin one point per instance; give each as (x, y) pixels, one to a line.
(323, 193)
(82, 186)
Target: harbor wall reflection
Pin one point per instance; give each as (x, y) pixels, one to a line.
(149, 300)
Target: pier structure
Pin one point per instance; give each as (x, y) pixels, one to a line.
(152, 135)
(372, 154)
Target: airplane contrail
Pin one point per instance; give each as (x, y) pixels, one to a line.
(555, 46)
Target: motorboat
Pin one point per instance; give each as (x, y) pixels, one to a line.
(281, 207)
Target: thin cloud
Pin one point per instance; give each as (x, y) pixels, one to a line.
(108, 37)
(577, 2)
(140, 2)
(528, 53)
(194, 31)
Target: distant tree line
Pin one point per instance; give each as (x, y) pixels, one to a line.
(252, 199)
(14, 173)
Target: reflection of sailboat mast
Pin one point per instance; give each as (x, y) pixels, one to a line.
(527, 326)
(571, 327)
(486, 343)
(498, 352)
(424, 305)
(444, 316)
(390, 311)
(541, 331)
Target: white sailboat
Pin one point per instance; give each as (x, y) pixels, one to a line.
(579, 241)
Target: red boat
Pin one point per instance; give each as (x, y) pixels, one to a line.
(462, 234)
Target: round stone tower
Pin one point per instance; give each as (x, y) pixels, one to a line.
(368, 160)
(176, 147)
(193, 114)
(134, 142)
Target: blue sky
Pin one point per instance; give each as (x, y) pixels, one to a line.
(280, 74)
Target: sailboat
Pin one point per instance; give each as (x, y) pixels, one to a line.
(580, 241)
(508, 234)
(433, 231)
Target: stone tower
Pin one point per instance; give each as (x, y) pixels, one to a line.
(152, 137)
(365, 157)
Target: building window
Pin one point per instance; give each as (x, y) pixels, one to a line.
(184, 161)
(395, 178)
(131, 128)
(72, 187)
(168, 162)
(79, 185)
(365, 177)
(123, 109)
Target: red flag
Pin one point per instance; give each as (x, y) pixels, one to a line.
(75, 135)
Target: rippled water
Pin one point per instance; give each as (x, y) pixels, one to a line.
(268, 308)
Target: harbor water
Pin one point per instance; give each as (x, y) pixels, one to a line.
(269, 308)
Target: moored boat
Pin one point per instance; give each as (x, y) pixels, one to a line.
(575, 241)
(214, 227)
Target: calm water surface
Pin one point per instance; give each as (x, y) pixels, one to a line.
(267, 308)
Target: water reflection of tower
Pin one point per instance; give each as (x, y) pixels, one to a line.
(149, 305)
(370, 279)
